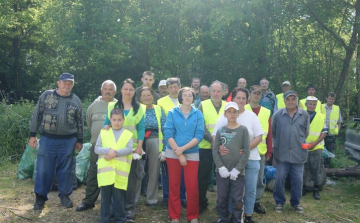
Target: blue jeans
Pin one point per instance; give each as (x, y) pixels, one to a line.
(52, 152)
(296, 171)
(251, 177)
(165, 183)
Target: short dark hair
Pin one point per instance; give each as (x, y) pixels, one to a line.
(236, 90)
(182, 90)
(310, 86)
(331, 94)
(149, 73)
(117, 111)
(173, 80)
(146, 89)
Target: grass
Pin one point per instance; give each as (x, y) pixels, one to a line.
(339, 203)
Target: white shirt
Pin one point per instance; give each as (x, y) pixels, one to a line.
(251, 122)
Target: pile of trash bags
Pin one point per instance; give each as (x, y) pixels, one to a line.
(27, 165)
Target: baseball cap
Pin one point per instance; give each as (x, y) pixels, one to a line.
(162, 83)
(311, 98)
(286, 83)
(290, 93)
(231, 105)
(66, 77)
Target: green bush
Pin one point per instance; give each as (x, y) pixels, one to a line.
(14, 128)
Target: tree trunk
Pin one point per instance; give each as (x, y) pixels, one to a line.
(358, 79)
(343, 172)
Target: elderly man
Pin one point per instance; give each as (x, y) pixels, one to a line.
(204, 95)
(58, 114)
(267, 97)
(241, 83)
(211, 109)
(147, 80)
(317, 133)
(95, 117)
(279, 101)
(290, 127)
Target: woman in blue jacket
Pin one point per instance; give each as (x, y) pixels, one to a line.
(184, 129)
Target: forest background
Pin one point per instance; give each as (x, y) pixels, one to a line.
(303, 41)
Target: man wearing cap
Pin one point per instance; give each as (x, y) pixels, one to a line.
(311, 92)
(95, 117)
(279, 101)
(212, 109)
(58, 115)
(162, 89)
(204, 95)
(267, 97)
(317, 133)
(147, 80)
(265, 146)
(290, 127)
(333, 122)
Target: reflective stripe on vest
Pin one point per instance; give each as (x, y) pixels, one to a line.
(131, 121)
(210, 119)
(316, 128)
(318, 108)
(166, 104)
(280, 101)
(264, 115)
(115, 171)
(333, 118)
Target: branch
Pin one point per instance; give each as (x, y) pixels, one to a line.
(317, 19)
(7, 64)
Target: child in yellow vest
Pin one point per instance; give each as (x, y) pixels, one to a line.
(115, 148)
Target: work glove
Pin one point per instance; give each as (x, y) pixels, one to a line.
(223, 171)
(162, 156)
(234, 174)
(136, 156)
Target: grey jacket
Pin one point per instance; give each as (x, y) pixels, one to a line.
(289, 133)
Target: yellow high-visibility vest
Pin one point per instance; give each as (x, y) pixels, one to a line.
(115, 171)
(316, 128)
(280, 101)
(157, 110)
(131, 121)
(264, 115)
(333, 119)
(303, 106)
(210, 119)
(166, 104)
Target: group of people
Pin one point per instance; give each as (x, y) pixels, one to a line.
(186, 134)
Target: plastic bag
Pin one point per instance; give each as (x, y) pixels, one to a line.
(83, 163)
(26, 164)
(327, 154)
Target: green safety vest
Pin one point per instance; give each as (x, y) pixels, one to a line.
(280, 101)
(166, 104)
(115, 171)
(333, 119)
(210, 119)
(303, 106)
(264, 115)
(316, 128)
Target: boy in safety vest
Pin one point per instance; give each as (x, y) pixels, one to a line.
(115, 148)
(317, 133)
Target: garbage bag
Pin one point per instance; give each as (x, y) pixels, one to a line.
(83, 163)
(26, 164)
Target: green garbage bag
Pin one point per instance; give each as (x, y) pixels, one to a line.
(83, 163)
(34, 172)
(26, 165)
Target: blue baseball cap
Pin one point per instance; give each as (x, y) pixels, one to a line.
(66, 77)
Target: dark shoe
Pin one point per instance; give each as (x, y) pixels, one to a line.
(164, 204)
(211, 189)
(39, 203)
(304, 191)
(259, 209)
(184, 204)
(248, 219)
(84, 206)
(298, 209)
(316, 194)
(151, 205)
(66, 202)
(279, 208)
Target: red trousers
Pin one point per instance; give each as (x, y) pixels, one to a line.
(191, 185)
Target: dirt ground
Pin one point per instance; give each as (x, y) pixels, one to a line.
(339, 203)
